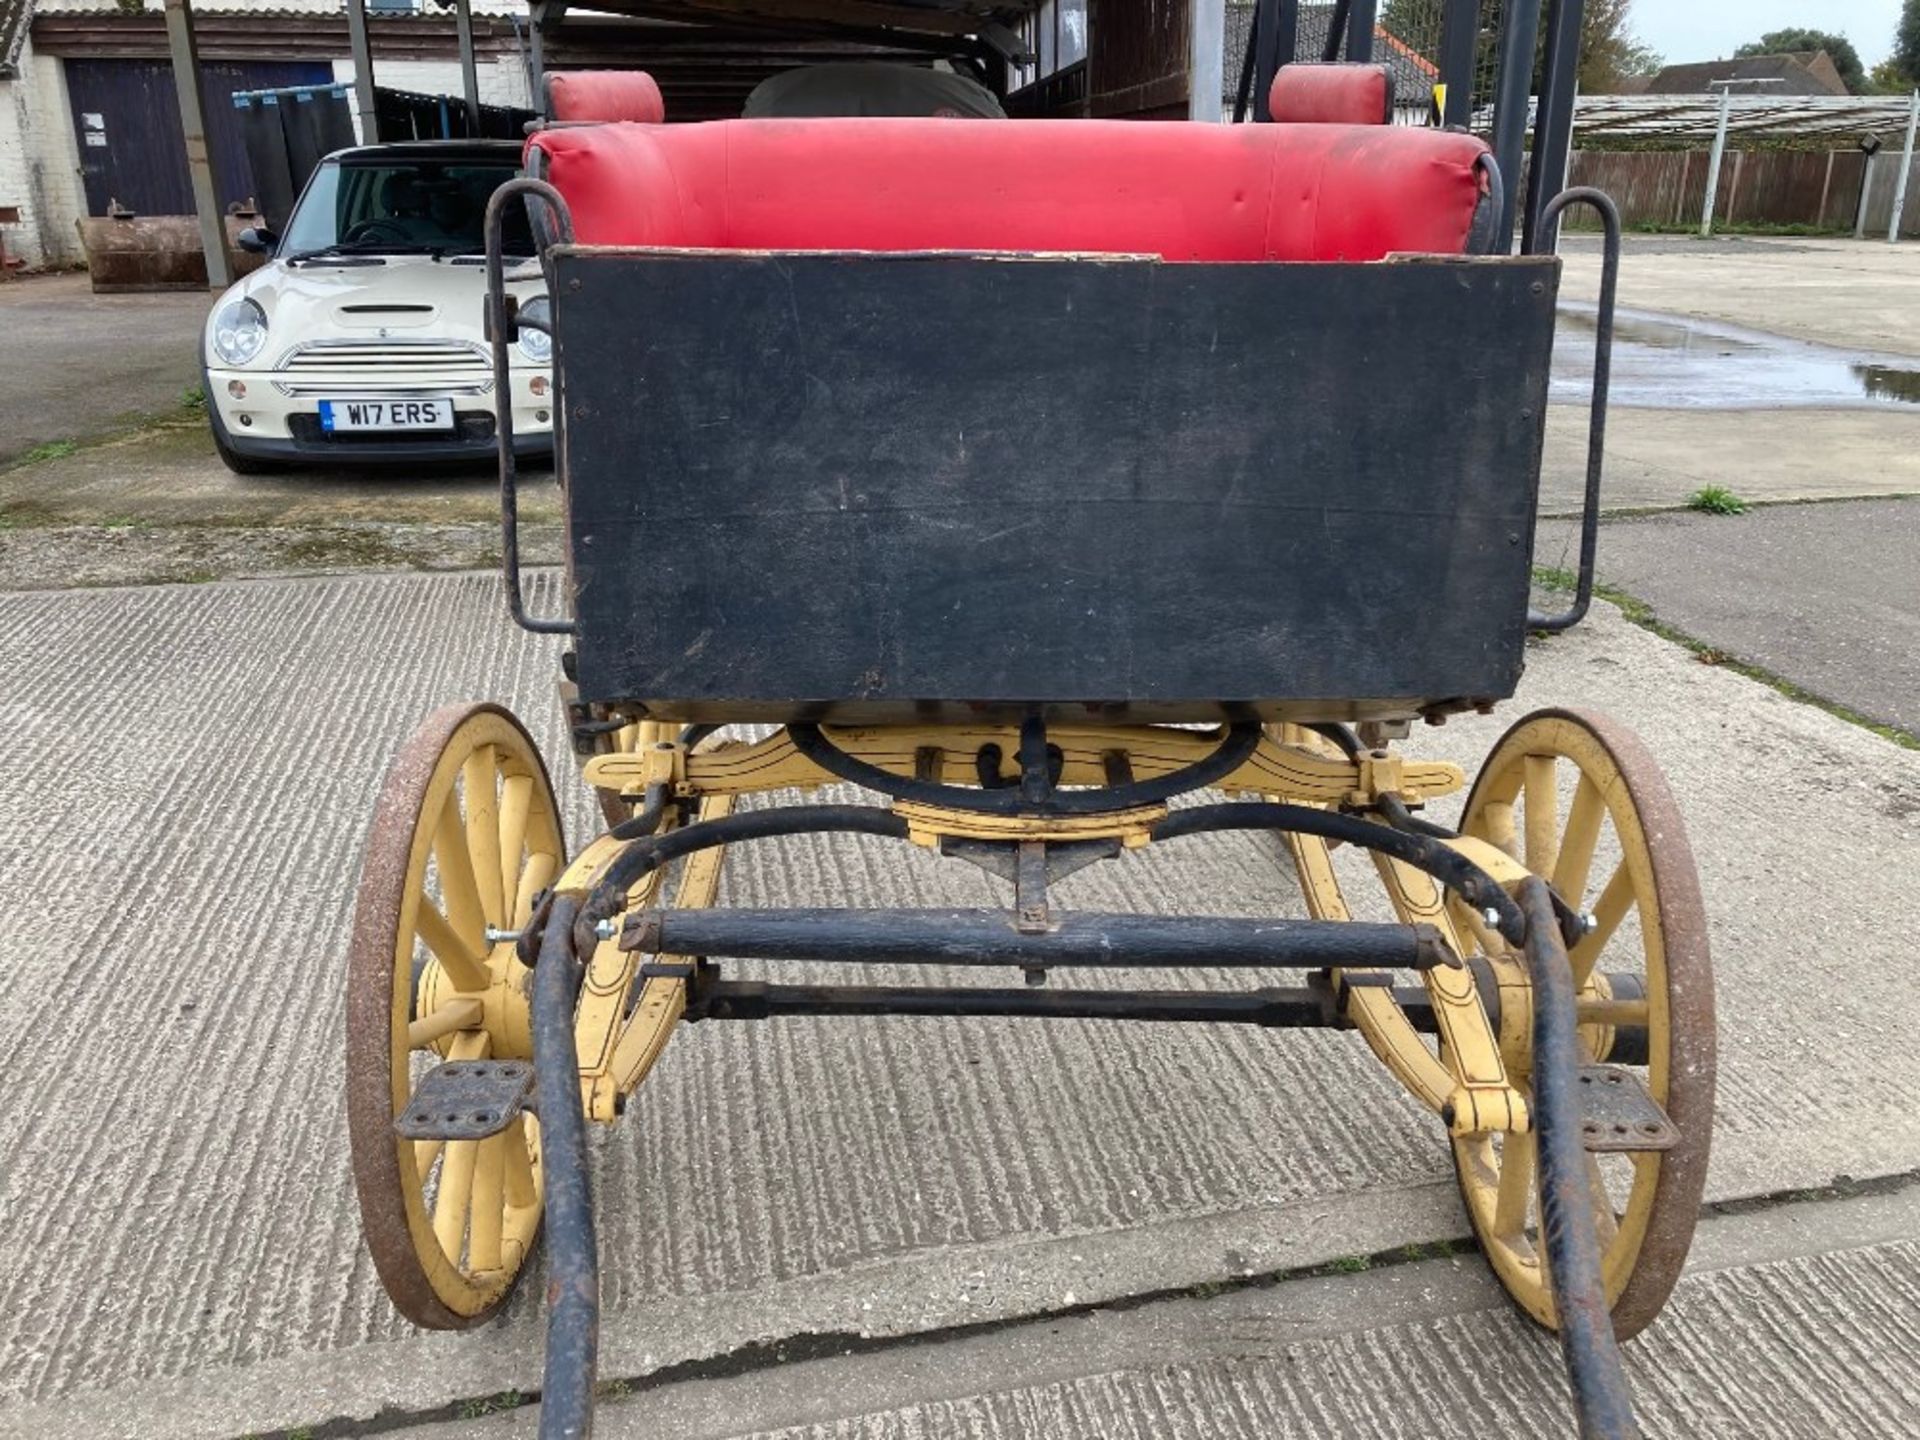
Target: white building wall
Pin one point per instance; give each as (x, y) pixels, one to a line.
(40, 163)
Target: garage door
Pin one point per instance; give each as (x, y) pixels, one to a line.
(126, 118)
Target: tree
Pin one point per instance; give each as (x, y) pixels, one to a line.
(1609, 50)
(1839, 49)
(1905, 59)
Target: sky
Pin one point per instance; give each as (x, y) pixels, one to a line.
(1683, 30)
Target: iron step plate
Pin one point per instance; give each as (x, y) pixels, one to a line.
(467, 1100)
(1617, 1115)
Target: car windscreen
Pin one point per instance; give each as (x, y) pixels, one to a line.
(402, 206)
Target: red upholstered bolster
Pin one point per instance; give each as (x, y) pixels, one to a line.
(605, 95)
(1340, 93)
(1174, 189)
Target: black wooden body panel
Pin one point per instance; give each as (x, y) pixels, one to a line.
(911, 486)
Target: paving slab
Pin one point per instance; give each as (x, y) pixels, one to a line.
(99, 362)
(1854, 294)
(1827, 596)
(189, 774)
(1798, 1321)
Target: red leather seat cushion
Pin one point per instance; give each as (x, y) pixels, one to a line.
(609, 95)
(1175, 189)
(1340, 93)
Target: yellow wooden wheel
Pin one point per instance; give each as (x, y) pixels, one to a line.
(1576, 798)
(465, 834)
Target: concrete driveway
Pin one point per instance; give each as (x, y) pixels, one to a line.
(78, 366)
(189, 773)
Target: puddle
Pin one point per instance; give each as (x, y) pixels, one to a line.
(1677, 362)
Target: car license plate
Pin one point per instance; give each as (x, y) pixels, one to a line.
(338, 415)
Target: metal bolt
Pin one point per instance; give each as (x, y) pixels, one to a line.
(1589, 922)
(607, 929)
(1492, 917)
(500, 937)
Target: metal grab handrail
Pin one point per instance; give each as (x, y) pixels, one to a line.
(1597, 413)
(502, 328)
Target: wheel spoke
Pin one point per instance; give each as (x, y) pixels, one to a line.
(1515, 1197)
(1608, 911)
(459, 887)
(516, 798)
(1543, 813)
(1577, 842)
(537, 876)
(1606, 1225)
(464, 964)
(1499, 822)
(489, 1202)
(450, 1206)
(480, 786)
(1611, 1012)
(521, 1188)
(452, 1016)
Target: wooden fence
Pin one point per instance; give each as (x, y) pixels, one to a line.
(1772, 187)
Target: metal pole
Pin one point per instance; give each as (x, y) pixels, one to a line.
(537, 52)
(1519, 30)
(1268, 54)
(1553, 124)
(1906, 169)
(1866, 193)
(1360, 22)
(1713, 161)
(1460, 30)
(362, 48)
(469, 69)
(1206, 61)
(185, 50)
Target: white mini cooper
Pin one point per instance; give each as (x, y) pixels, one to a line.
(362, 339)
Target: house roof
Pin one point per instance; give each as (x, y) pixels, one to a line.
(1413, 74)
(1804, 72)
(14, 15)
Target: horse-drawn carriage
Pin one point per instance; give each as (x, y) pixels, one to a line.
(1250, 490)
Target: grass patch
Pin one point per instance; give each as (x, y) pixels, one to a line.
(194, 400)
(490, 1405)
(363, 548)
(1350, 1264)
(51, 450)
(1716, 500)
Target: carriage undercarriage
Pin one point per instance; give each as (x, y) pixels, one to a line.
(1005, 593)
(1564, 1087)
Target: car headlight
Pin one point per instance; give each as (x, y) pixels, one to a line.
(239, 330)
(536, 345)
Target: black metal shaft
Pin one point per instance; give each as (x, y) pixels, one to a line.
(1553, 126)
(1361, 18)
(573, 1273)
(1288, 1007)
(1609, 213)
(1519, 29)
(1459, 40)
(989, 937)
(1601, 1397)
(1423, 852)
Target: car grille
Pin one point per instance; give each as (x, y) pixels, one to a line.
(385, 367)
